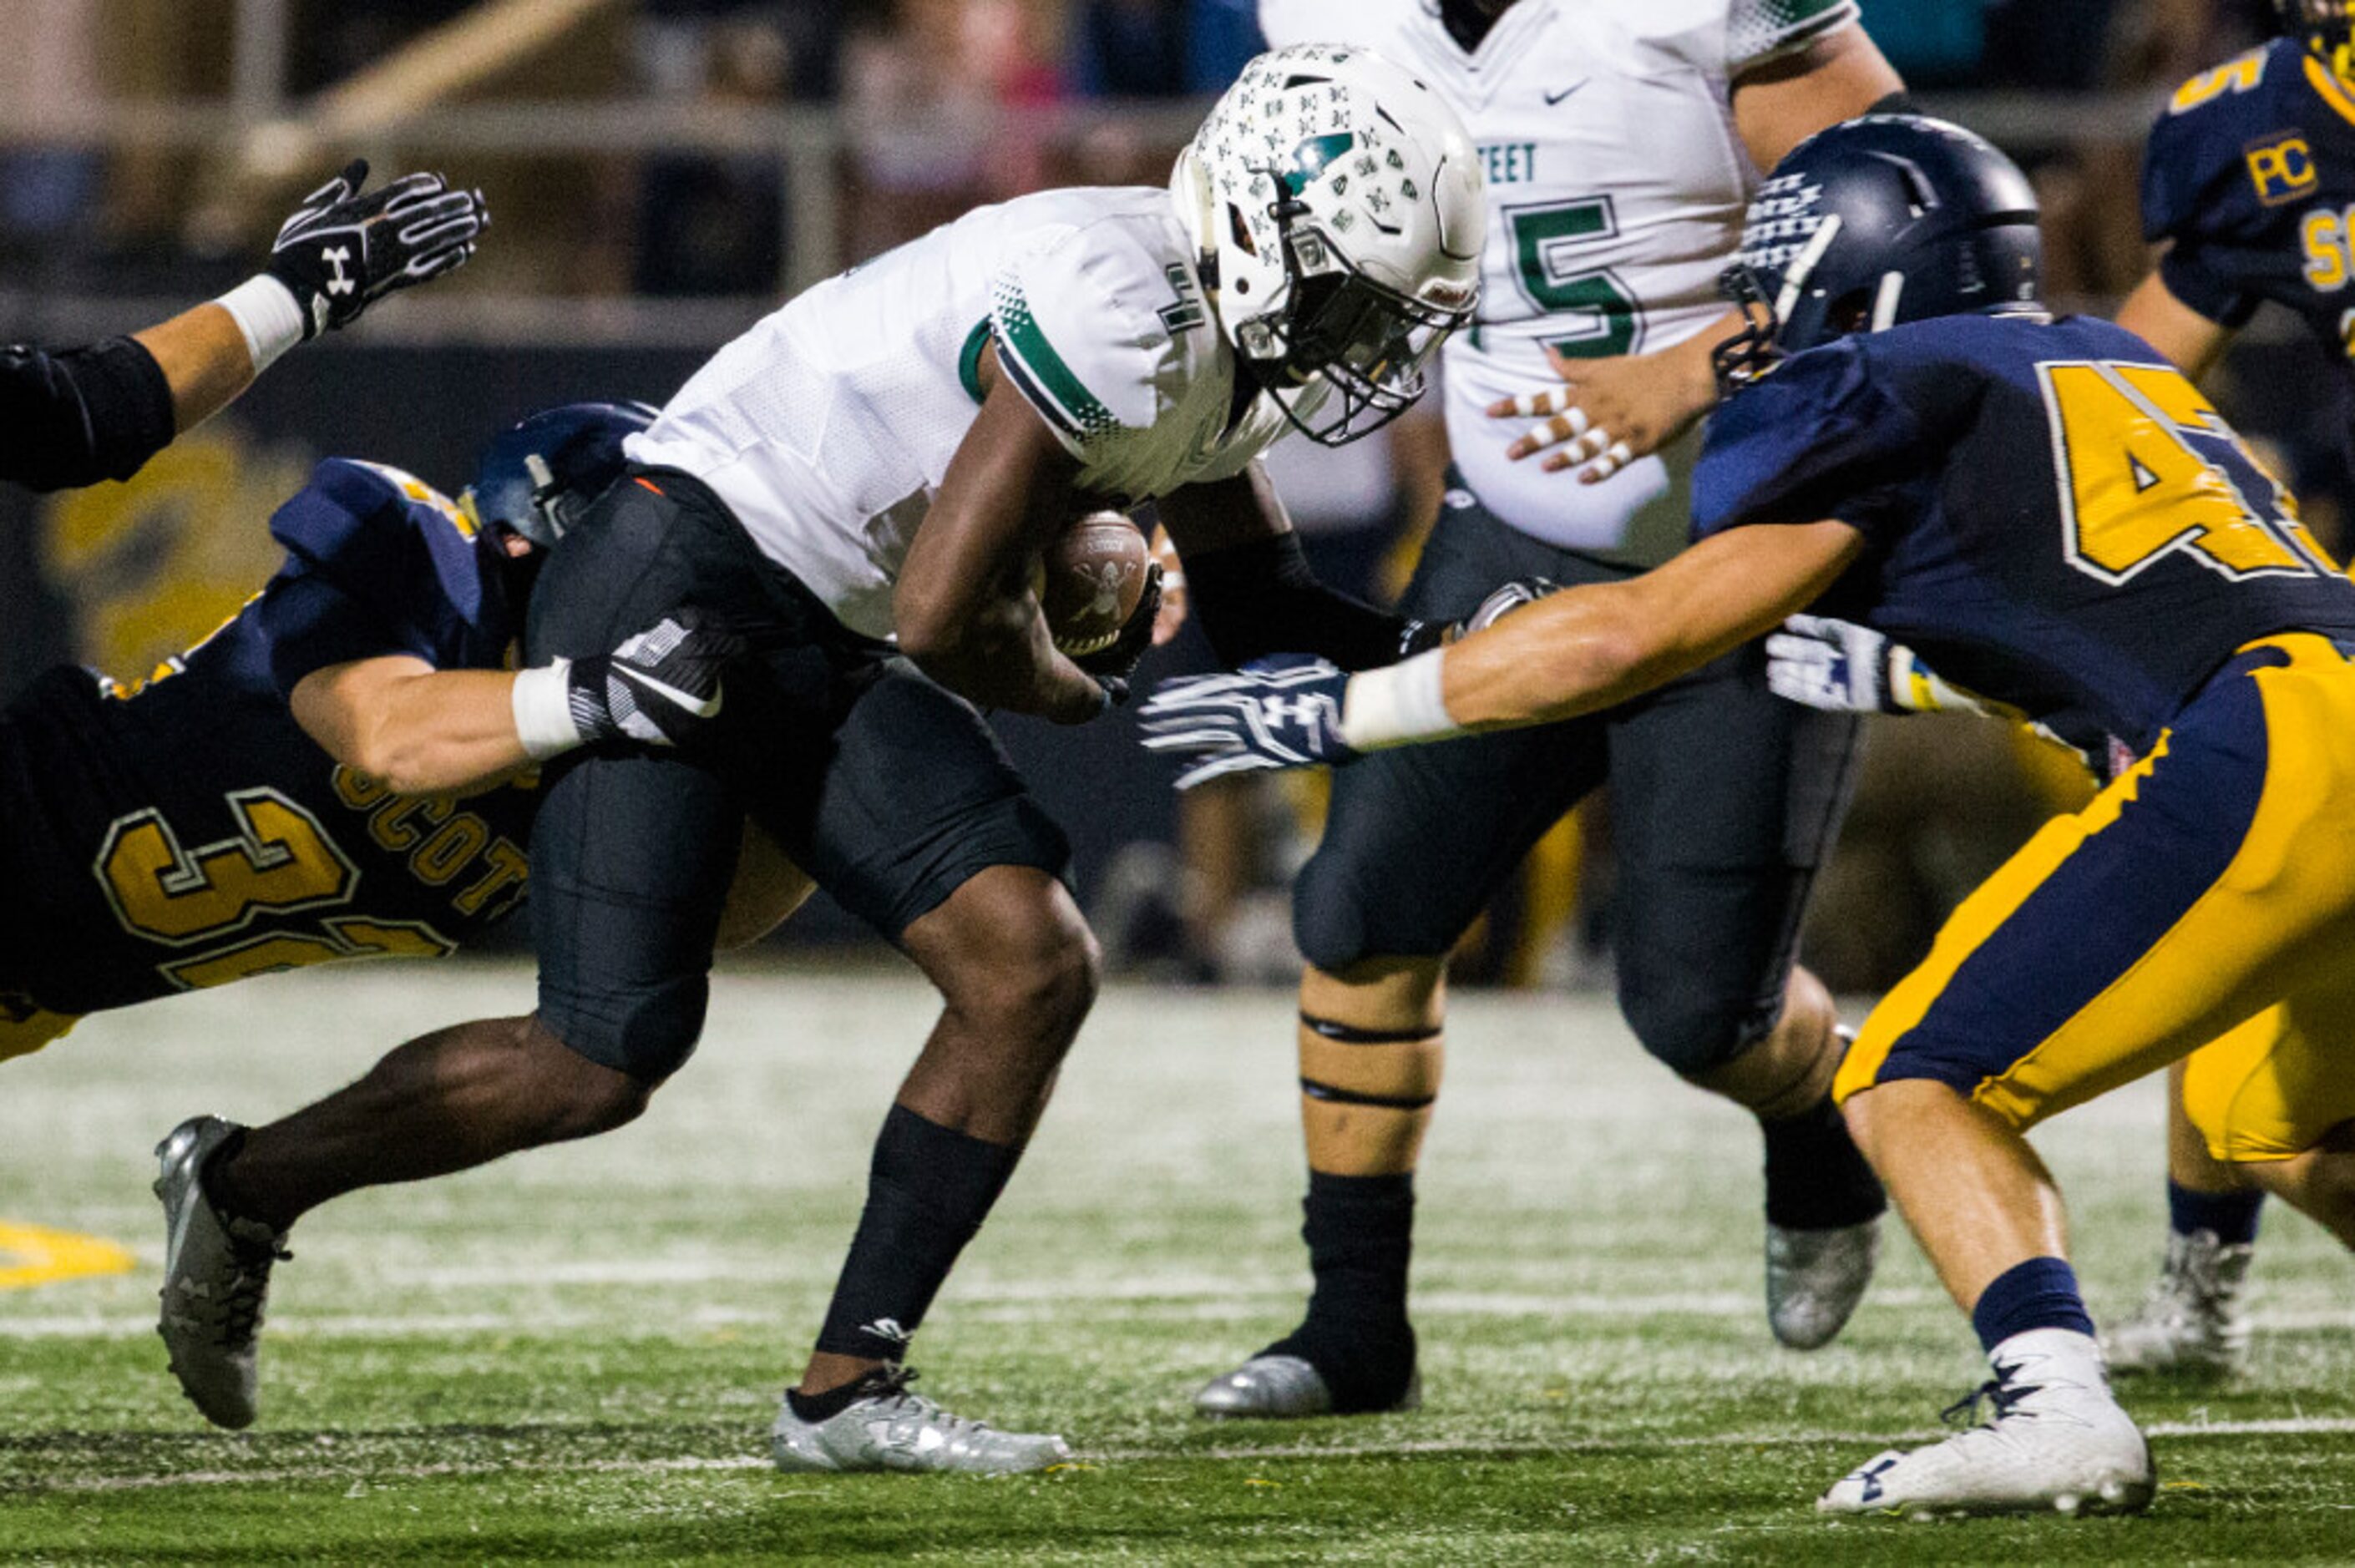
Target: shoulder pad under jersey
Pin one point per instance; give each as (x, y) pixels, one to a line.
(391, 542)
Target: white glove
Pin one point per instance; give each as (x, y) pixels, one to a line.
(1841, 667)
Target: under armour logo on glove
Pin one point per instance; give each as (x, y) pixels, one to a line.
(1281, 711)
(341, 250)
(659, 687)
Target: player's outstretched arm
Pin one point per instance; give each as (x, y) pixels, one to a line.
(1572, 652)
(1595, 647)
(962, 606)
(453, 732)
(339, 252)
(421, 730)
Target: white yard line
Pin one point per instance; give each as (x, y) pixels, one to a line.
(1179, 1302)
(362, 1473)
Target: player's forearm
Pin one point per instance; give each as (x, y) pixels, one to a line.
(453, 732)
(1259, 597)
(1576, 652)
(205, 361)
(1001, 655)
(1571, 653)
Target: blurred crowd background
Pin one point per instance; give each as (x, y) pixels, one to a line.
(661, 171)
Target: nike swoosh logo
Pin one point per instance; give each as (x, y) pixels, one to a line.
(1553, 98)
(707, 708)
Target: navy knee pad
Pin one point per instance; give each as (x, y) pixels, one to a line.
(1688, 1028)
(646, 1031)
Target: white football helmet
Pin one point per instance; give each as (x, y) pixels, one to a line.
(1335, 203)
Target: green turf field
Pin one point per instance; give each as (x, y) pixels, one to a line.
(575, 1354)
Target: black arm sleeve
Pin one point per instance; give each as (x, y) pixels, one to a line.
(1898, 102)
(81, 416)
(1258, 599)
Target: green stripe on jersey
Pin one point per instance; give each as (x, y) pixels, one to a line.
(969, 359)
(1758, 29)
(1021, 337)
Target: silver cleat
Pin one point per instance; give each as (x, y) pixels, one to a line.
(1280, 1388)
(2193, 1321)
(1815, 1279)
(892, 1429)
(215, 1278)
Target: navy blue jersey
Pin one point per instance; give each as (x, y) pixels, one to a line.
(2250, 174)
(2053, 516)
(185, 832)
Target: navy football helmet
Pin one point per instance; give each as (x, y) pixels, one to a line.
(2327, 27)
(537, 477)
(1874, 221)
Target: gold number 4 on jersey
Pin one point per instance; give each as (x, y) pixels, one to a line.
(2146, 468)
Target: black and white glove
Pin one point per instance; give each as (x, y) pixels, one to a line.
(1114, 664)
(658, 688)
(1421, 636)
(1274, 712)
(1840, 667)
(342, 251)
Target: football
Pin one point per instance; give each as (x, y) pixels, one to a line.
(1089, 580)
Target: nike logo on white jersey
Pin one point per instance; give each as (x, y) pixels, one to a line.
(1553, 98)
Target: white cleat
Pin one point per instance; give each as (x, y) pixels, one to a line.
(215, 1278)
(1815, 1279)
(2193, 1322)
(888, 1429)
(2058, 1443)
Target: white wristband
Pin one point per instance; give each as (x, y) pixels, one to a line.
(267, 312)
(1398, 704)
(543, 711)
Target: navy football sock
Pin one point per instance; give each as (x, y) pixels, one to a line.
(928, 1191)
(2038, 1294)
(2232, 1216)
(1360, 1233)
(1817, 1178)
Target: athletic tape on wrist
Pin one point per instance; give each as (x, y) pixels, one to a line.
(267, 312)
(1398, 703)
(543, 710)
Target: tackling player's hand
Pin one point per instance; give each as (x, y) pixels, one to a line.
(341, 250)
(1841, 667)
(1609, 412)
(1280, 712)
(659, 688)
(1421, 636)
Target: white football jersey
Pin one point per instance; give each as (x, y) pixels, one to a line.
(1616, 184)
(829, 425)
